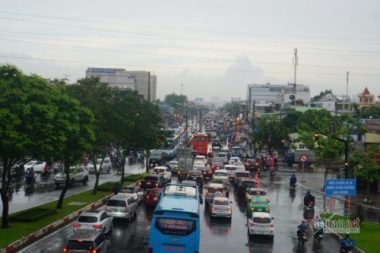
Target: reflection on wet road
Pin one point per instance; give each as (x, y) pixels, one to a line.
(218, 235)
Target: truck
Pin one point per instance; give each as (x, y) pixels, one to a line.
(185, 162)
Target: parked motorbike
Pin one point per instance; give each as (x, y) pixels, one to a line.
(302, 238)
(318, 235)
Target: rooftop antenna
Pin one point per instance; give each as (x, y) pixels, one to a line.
(347, 81)
(295, 62)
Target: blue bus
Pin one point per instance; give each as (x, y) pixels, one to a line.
(175, 225)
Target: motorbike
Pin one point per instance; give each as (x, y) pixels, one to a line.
(302, 238)
(318, 235)
(29, 178)
(347, 246)
(309, 207)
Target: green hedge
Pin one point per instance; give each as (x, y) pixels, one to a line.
(32, 215)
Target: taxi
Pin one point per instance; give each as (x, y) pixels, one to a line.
(258, 204)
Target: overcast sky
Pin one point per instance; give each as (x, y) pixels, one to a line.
(212, 47)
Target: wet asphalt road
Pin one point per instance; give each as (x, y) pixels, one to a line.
(44, 190)
(218, 236)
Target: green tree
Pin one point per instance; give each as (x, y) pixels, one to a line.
(97, 97)
(269, 131)
(175, 100)
(365, 166)
(372, 112)
(291, 120)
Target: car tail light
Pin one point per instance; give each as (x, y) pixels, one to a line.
(92, 251)
(97, 226)
(271, 225)
(66, 250)
(150, 250)
(76, 225)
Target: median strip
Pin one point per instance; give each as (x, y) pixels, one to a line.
(22, 233)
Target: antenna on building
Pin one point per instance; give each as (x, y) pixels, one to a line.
(347, 80)
(295, 62)
(181, 89)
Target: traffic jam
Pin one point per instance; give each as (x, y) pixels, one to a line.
(233, 202)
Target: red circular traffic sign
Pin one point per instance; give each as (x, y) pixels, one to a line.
(303, 158)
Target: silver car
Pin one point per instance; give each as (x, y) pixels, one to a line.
(122, 205)
(87, 241)
(97, 220)
(221, 207)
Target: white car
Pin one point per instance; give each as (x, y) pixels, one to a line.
(200, 158)
(105, 168)
(234, 160)
(38, 166)
(164, 172)
(199, 166)
(220, 207)
(223, 155)
(231, 171)
(260, 223)
(220, 175)
(97, 220)
(122, 205)
(76, 173)
(173, 165)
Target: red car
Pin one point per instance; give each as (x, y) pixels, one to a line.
(153, 196)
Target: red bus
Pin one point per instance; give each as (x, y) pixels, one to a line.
(200, 143)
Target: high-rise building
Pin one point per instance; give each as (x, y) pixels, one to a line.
(141, 81)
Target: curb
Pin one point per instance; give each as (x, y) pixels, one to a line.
(32, 237)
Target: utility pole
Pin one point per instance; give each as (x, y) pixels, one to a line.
(347, 79)
(149, 86)
(295, 63)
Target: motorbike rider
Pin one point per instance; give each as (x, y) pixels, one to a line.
(29, 176)
(347, 244)
(309, 198)
(318, 225)
(293, 180)
(302, 228)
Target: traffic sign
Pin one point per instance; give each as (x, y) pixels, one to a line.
(343, 187)
(303, 158)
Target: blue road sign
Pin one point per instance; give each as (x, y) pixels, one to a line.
(343, 187)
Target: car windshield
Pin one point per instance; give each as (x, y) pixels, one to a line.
(221, 155)
(221, 202)
(248, 183)
(230, 168)
(30, 163)
(116, 203)
(79, 245)
(215, 189)
(87, 219)
(265, 220)
(220, 174)
(261, 203)
(242, 174)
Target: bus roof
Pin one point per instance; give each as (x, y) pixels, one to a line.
(178, 204)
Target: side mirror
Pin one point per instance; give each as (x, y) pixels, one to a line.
(272, 218)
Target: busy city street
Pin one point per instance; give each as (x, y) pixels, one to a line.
(218, 235)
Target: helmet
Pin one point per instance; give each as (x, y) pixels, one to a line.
(317, 217)
(303, 222)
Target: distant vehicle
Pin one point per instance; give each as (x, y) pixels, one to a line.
(200, 143)
(211, 188)
(134, 190)
(216, 145)
(240, 174)
(176, 217)
(152, 181)
(244, 184)
(260, 223)
(97, 220)
(220, 207)
(258, 204)
(221, 175)
(104, 168)
(164, 172)
(122, 205)
(173, 166)
(201, 159)
(251, 192)
(38, 166)
(153, 196)
(234, 160)
(224, 156)
(87, 241)
(76, 174)
(231, 170)
(156, 158)
(197, 177)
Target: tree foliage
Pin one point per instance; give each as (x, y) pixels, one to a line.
(175, 100)
(321, 94)
(269, 131)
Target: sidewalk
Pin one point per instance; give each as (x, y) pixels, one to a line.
(315, 181)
